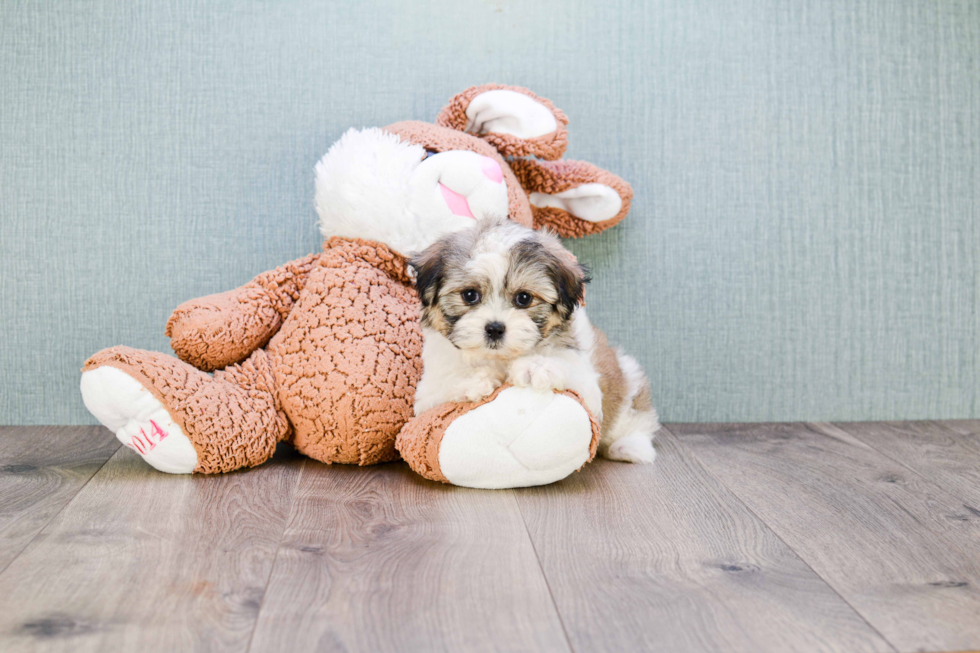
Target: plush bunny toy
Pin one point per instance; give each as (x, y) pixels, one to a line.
(324, 352)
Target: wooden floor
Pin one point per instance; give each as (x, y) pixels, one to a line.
(772, 537)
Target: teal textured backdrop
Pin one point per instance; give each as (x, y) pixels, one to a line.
(803, 243)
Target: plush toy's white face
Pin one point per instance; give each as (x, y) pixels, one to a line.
(460, 183)
(373, 185)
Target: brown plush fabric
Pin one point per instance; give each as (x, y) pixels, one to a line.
(326, 350)
(550, 146)
(556, 176)
(234, 420)
(596, 427)
(442, 139)
(220, 330)
(420, 440)
(348, 358)
(339, 375)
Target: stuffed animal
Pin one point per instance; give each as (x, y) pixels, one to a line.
(324, 352)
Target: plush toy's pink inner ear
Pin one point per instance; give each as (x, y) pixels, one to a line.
(592, 202)
(508, 112)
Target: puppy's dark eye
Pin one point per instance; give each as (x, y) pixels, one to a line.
(523, 299)
(470, 296)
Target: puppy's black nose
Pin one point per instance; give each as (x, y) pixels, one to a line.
(495, 330)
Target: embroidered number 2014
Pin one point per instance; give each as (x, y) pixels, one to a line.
(144, 442)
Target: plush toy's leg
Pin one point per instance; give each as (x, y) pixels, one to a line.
(516, 437)
(181, 420)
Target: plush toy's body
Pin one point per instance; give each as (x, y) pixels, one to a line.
(325, 351)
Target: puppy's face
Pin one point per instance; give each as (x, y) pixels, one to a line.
(498, 289)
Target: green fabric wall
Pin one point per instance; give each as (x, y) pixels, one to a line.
(803, 243)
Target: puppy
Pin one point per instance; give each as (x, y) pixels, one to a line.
(502, 303)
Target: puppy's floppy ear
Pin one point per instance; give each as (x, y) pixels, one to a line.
(429, 267)
(512, 119)
(574, 198)
(569, 277)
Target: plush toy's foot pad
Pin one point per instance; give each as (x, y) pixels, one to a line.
(138, 419)
(517, 438)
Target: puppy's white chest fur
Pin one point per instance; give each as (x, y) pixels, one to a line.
(452, 374)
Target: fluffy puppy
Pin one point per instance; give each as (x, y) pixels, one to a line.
(503, 303)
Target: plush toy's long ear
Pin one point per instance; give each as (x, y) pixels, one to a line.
(512, 119)
(574, 198)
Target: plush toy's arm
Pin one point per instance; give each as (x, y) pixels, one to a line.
(516, 437)
(219, 330)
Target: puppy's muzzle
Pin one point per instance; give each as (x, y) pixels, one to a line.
(495, 332)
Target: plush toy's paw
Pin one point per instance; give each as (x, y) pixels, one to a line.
(517, 438)
(538, 372)
(635, 448)
(138, 419)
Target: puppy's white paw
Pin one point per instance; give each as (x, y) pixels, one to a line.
(537, 372)
(635, 448)
(479, 387)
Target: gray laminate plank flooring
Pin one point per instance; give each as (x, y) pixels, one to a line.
(41, 470)
(143, 561)
(946, 453)
(898, 547)
(822, 537)
(664, 558)
(381, 560)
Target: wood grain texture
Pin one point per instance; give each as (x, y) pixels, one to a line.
(144, 561)
(947, 453)
(664, 558)
(896, 546)
(378, 559)
(41, 469)
(740, 538)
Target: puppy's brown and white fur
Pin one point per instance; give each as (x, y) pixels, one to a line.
(503, 303)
